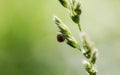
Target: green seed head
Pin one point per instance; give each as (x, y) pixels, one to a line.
(75, 18)
(89, 68)
(77, 8)
(70, 40)
(94, 56)
(64, 3)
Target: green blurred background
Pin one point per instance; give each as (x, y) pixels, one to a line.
(28, 43)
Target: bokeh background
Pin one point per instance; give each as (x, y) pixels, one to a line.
(28, 44)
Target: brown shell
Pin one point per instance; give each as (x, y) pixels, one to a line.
(60, 38)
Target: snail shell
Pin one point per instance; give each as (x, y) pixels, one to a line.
(60, 37)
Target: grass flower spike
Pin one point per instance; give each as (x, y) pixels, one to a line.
(87, 48)
(64, 30)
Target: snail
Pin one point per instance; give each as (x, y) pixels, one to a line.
(60, 37)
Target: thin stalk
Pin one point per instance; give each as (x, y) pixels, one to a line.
(79, 26)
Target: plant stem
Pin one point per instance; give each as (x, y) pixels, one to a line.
(79, 26)
(87, 48)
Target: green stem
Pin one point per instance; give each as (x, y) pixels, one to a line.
(79, 26)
